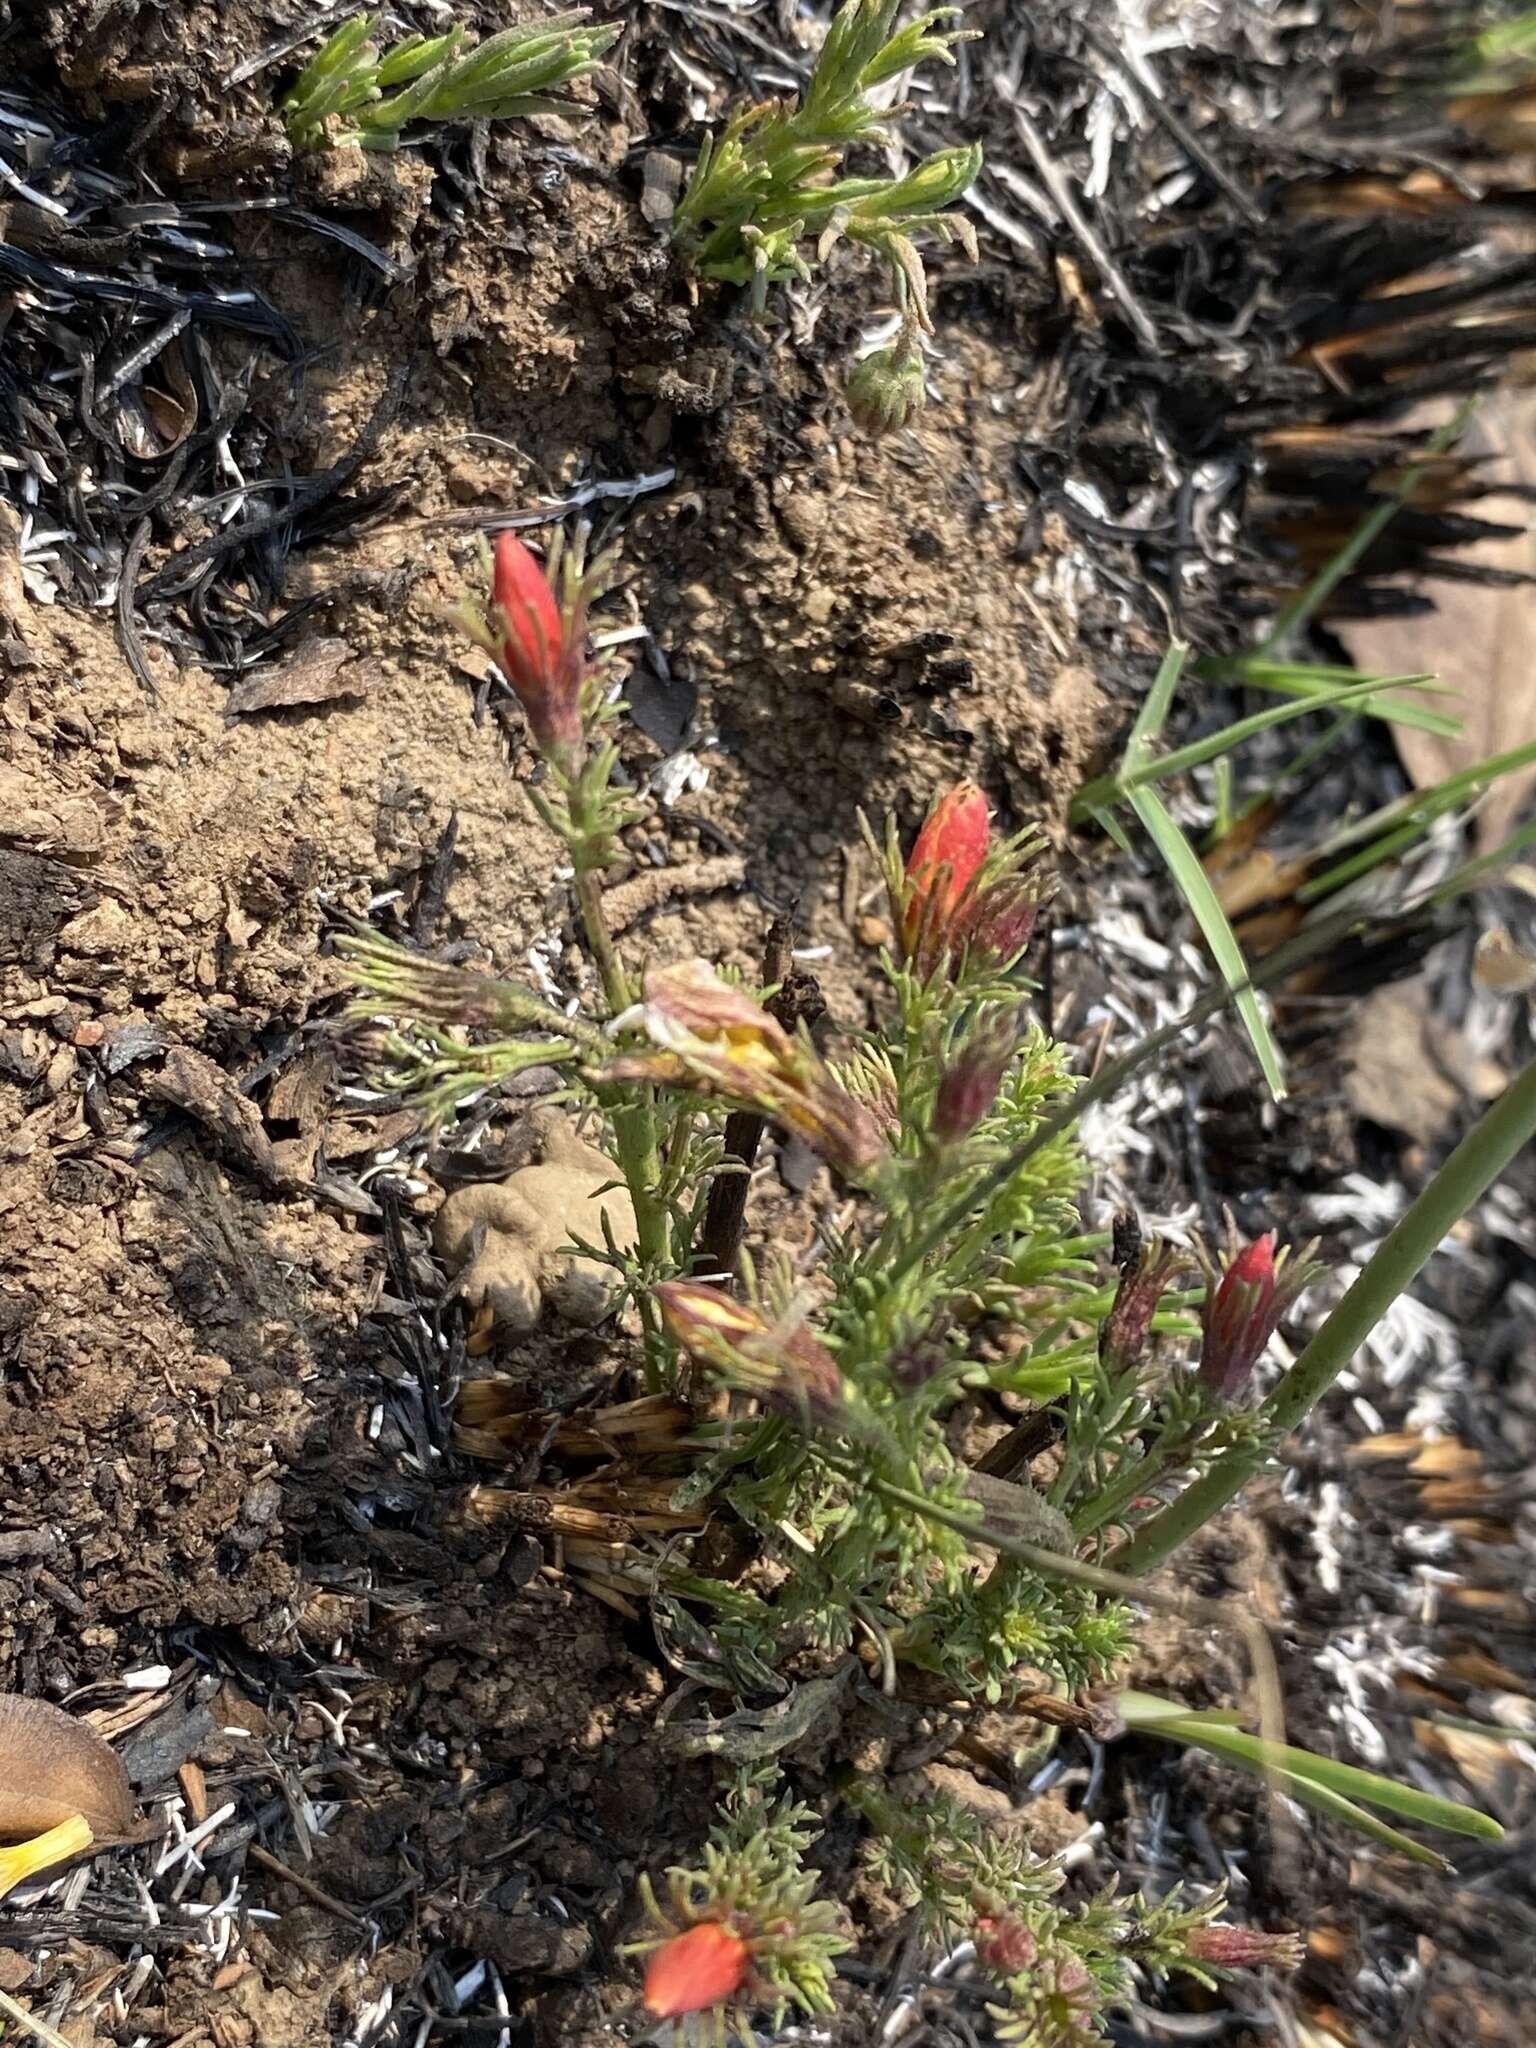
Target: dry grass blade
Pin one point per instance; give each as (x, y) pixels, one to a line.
(29, 2023)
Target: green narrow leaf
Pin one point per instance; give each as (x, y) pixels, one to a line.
(1306, 1767)
(1222, 775)
(1304, 1790)
(1354, 694)
(408, 60)
(1111, 826)
(1472, 872)
(1141, 1709)
(337, 53)
(1397, 825)
(1322, 586)
(1194, 886)
(1153, 715)
(1309, 678)
(1345, 1810)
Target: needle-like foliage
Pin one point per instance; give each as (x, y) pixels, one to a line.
(768, 196)
(352, 91)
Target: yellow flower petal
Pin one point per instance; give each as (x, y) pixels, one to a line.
(24, 1859)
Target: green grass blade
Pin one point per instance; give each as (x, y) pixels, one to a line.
(1153, 715)
(1111, 827)
(1311, 679)
(1351, 1816)
(1355, 695)
(1342, 1789)
(1372, 855)
(1141, 1709)
(1472, 872)
(1398, 824)
(1347, 1781)
(1194, 886)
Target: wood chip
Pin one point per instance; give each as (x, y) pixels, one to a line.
(190, 1081)
(194, 1789)
(320, 672)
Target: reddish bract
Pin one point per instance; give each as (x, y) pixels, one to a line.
(1004, 1944)
(541, 652)
(1245, 1948)
(950, 848)
(696, 1970)
(1240, 1317)
(534, 629)
(968, 1085)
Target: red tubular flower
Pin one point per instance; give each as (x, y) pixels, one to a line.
(1245, 1948)
(540, 650)
(1243, 1309)
(717, 1040)
(942, 865)
(696, 1970)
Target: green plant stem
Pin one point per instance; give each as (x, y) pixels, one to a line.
(1099, 1578)
(610, 968)
(1465, 1177)
(1106, 1506)
(634, 1122)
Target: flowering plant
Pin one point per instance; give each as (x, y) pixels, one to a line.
(840, 1419)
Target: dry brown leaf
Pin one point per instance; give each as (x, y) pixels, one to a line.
(1499, 964)
(1392, 1076)
(316, 673)
(190, 1081)
(1477, 640)
(52, 1767)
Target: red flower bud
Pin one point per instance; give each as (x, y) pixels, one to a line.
(1237, 1318)
(1243, 1309)
(942, 865)
(968, 1085)
(1245, 1948)
(1003, 1944)
(696, 1970)
(999, 921)
(540, 654)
